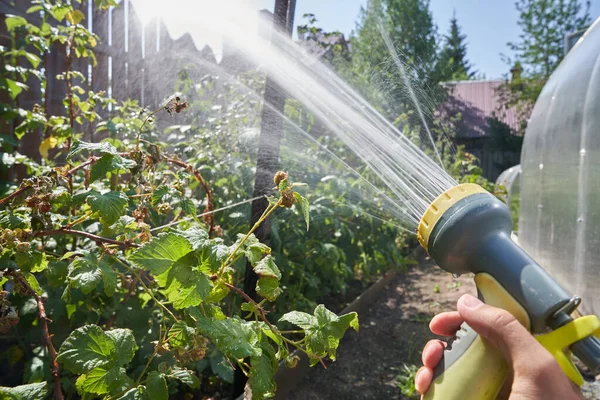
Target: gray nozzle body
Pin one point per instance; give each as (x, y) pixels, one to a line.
(474, 236)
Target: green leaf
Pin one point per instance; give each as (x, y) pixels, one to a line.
(75, 16)
(218, 293)
(301, 319)
(267, 267)
(185, 376)
(33, 282)
(262, 369)
(13, 22)
(101, 380)
(15, 88)
(110, 205)
(268, 287)
(60, 12)
(157, 386)
(109, 163)
(221, 367)
(180, 334)
(188, 207)
(33, 59)
(103, 147)
(125, 346)
(32, 261)
(197, 237)
(109, 277)
(234, 337)
(159, 193)
(86, 348)
(159, 254)
(191, 296)
(33, 391)
(136, 393)
(85, 274)
(256, 251)
(345, 321)
(325, 339)
(304, 207)
(33, 9)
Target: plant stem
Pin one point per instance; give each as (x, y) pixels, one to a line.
(14, 194)
(91, 160)
(95, 238)
(134, 273)
(265, 215)
(58, 395)
(80, 220)
(208, 217)
(139, 132)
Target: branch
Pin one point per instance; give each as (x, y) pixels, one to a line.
(98, 239)
(91, 160)
(208, 217)
(58, 395)
(14, 194)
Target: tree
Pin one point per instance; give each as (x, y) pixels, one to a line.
(409, 25)
(544, 25)
(453, 64)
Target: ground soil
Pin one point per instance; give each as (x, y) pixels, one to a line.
(392, 333)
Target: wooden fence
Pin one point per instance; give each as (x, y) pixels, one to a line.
(133, 62)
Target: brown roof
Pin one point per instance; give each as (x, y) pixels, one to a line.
(477, 101)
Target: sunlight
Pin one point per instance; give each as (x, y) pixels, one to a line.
(191, 16)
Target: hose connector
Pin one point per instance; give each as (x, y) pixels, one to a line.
(440, 205)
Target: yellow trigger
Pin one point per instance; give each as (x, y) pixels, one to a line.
(558, 341)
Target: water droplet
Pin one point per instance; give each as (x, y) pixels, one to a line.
(456, 276)
(540, 206)
(582, 152)
(541, 166)
(580, 219)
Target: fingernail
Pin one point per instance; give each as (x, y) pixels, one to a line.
(471, 301)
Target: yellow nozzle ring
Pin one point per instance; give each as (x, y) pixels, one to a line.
(440, 205)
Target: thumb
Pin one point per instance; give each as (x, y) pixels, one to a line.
(501, 328)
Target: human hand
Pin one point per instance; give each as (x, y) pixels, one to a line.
(536, 375)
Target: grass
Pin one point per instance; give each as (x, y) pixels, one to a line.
(406, 380)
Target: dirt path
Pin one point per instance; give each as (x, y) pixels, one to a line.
(392, 333)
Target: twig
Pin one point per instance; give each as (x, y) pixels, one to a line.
(134, 273)
(208, 217)
(139, 132)
(14, 194)
(58, 395)
(91, 160)
(98, 239)
(263, 217)
(206, 213)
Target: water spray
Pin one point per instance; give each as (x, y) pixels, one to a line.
(468, 230)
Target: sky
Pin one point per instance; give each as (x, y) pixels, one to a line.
(488, 24)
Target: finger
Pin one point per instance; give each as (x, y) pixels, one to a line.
(432, 353)
(499, 327)
(423, 379)
(446, 323)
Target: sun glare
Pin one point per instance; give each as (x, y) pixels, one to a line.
(198, 17)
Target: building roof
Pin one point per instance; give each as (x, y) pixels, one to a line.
(477, 101)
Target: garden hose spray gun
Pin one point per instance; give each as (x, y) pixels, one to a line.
(467, 229)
